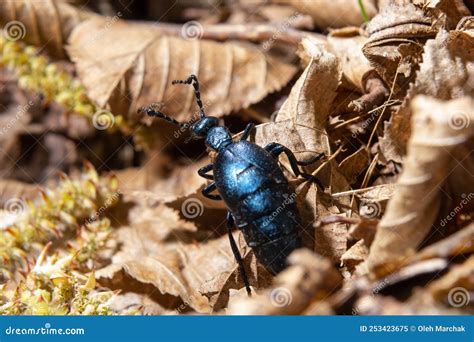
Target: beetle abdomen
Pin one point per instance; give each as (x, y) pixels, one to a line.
(259, 197)
(274, 236)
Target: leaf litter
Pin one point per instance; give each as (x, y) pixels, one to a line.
(389, 104)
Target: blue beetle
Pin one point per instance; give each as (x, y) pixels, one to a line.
(248, 178)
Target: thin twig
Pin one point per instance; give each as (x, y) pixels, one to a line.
(249, 32)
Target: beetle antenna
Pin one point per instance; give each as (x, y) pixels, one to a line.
(151, 112)
(192, 79)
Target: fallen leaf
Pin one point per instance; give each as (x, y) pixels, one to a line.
(455, 287)
(413, 209)
(139, 64)
(310, 278)
(447, 72)
(461, 242)
(46, 23)
(355, 255)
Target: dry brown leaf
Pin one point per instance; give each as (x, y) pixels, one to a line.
(310, 278)
(127, 301)
(365, 230)
(412, 273)
(309, 104)
(447, 72)
(433, 153)
(181, 184)
(453, 9)
(384, 305)
(377, 193)
(155, 250)
(397, 35)
(180, 270)
(355, 255)
(221, 289)
(46, 23)
(352, 166)
(347, 45)
(456, 286)
(461, 242)
(139, 63)
(333, 13)
(155, 223)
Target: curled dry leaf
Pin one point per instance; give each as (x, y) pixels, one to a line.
(396, 40)
(434, 151)
(309, 279)
(333, 13)
(355, 255)
(455, 287)
(46, 23)
(139, 63)
(364, 230)
(347, 45)
(308, 107)
(420, 273)
(447, 72)
(461, 242)
(454, 10)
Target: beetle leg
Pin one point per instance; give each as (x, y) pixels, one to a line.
(247, 131)
(207, 192)
(276, 149)
(236, 252)
(204, 170)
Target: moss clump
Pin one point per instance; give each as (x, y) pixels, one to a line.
(36, 73)
(67, 223)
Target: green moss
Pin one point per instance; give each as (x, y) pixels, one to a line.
(50, 251)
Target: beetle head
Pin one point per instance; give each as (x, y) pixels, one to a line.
(201, 128)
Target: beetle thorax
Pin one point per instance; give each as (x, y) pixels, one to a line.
(218, 137)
